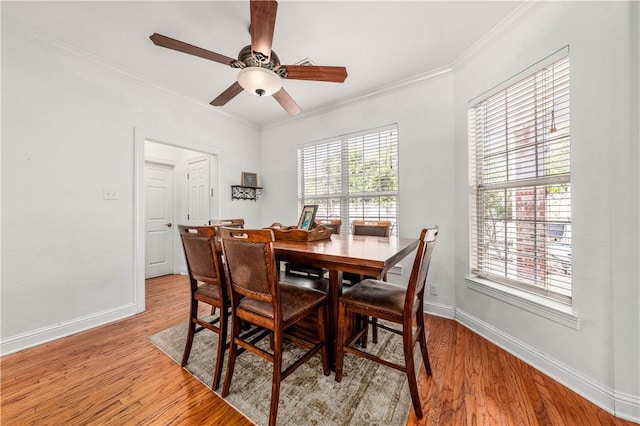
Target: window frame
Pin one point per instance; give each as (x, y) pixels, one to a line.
(344, 198)
(479, 185)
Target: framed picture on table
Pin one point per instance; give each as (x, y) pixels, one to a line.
(249, 179)
(307, 217)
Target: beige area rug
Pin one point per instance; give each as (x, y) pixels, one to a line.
(369, 393)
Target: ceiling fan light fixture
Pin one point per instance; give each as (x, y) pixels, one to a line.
(259, 81)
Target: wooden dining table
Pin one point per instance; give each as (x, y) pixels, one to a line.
(359, 254)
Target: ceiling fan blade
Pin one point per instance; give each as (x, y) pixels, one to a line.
(263, 22)
(287, 102)
(224, 97)
(314, 72)
(180, 46)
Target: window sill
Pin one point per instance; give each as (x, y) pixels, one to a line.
(554, 311)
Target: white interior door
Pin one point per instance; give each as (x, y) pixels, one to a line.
(159, 219)
(199, 189)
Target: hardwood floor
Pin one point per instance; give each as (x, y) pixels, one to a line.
(112, 375)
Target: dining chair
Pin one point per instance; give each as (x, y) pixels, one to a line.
(308, 271)
(331, 223)
(372, 228)
(378, 228)
(208, 285)
(395, 304)
(229, 223)
(259, 298)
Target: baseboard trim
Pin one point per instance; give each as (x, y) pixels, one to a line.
(623, 406)
(627, 407)
(439, 310)
(46, 334)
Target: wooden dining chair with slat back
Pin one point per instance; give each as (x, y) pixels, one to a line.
(208, 285)
(259, 298)
(396, 304)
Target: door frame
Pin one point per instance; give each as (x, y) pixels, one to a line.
(140, 136)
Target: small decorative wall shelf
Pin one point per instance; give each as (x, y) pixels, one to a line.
(241, 192)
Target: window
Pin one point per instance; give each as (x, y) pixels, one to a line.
(520, 182)
(352, 177)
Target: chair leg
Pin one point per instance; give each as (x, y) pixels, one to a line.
(411, 372)
(233, 350)
(342, 314)
(374, 329)
(277, 378)
(374, 322)
(322, 336)
(193, 313)
(422, 339)
(365, 336)
(222, 343)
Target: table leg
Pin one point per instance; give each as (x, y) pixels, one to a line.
(335, 289)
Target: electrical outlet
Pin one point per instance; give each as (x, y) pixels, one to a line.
(110, 194)
(433, 290)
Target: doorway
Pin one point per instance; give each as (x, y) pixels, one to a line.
(176, 154)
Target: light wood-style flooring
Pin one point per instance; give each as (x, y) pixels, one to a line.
(112, 375)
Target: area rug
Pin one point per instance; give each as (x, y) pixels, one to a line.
(369, 393)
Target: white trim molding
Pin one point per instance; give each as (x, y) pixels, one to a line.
(86, 57)
(627, 406)
(554, 311)
(439, 310)
(141, 135)
(47, 334)
(620, 405)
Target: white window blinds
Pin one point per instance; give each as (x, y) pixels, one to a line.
(352, 177)
(520, 183)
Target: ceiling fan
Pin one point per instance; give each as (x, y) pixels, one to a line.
(260, 73)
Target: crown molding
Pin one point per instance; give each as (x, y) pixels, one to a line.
(73, 52)
(513, 20)
(363, 96)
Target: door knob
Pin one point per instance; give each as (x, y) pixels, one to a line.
(168, 225)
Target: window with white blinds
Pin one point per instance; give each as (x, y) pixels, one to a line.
(520, 183)
(353, 177)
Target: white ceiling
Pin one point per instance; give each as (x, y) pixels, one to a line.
(380, 43)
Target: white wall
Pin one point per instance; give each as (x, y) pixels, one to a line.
(68, 126)
(601, 359)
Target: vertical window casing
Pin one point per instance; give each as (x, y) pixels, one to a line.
(520, 182)
(352, 177)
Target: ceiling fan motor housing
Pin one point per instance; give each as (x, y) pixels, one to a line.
(248, 58)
